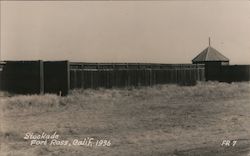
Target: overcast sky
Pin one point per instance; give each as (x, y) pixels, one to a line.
(124, 31)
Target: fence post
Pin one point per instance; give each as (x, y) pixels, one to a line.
(41, 77)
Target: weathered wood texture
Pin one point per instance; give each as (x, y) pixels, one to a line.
(2, 64)
(22, 77)
(219, 71)
(124, 75)
(56, 77)
(234, 73)
(35, 77)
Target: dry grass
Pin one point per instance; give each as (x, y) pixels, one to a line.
(159, 120)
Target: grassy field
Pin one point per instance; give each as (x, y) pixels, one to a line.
(165, 120)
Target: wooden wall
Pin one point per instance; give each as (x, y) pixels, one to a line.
(124, 75)
(35, 77)
(234, 73)
(56, 77)
(22, 77)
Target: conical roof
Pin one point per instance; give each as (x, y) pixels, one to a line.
(210, 54)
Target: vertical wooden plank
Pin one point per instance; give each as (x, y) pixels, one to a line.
(71, 79)
(68, 75)
(41, 71)
(91, 79)
(79, 78)
(82, 78)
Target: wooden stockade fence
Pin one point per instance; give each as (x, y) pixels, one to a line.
(234, 73)
(86, 75)
(29, 77)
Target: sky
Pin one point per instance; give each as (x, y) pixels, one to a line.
(124, 31)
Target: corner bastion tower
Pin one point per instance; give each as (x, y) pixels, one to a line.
(213, 60)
